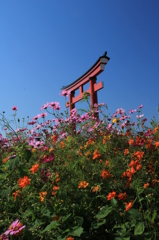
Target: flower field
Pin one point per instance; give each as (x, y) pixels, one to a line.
(80, 177)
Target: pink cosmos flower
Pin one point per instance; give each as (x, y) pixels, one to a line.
(132, 111)
(64, 93)
(144, 120)
(4, 237)
(15, 228)
(48, 159)
(36, 117)
(43, 115)
(141, 106)
(120, 111)
(45, 175)
(54, 105)
(45, 106)
(139, 116)
(31, 123)
(57, 108)
(14, 108)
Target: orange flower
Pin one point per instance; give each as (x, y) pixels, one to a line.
(88, 153)
(56, 218)
(23, 182)
(132, 163)
(155, 129)
(157, 144)
(16, 193)
(5, 160)
(128, 206)
(146, 185)
(105, 174)
(34, 168)
(91, 141)
(61, 144)
(138, 154)
(50, 150)
(154, 181)
(96, 154)
(83, 184)
(33, 150)
(57, 178)
(69, 238)
(111, 195)
(54, 138)
(100, 161)
(106, 162)
(96, 188)
(122, 196)
(138, 166)
(55, 188)
(42, 196)
(126, 151)
(131, 141)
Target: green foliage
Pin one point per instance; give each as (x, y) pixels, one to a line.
(89, 185)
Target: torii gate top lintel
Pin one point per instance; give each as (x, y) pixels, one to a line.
(89, 76)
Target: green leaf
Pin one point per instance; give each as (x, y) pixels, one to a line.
(114, 202)
(77, 232)
(134, 213)
(5, 193)
(52, 225)
(104, 212)
(13, 162)
(27, 213)
(66, 217)
(61, 238)
(98, 224)
(153, 216)
(46, 213)
(2, 176)
(79, 220)
(139, 191)
(27, 155)
(139, 229)
(23, 171)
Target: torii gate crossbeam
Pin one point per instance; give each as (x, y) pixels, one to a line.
(89, 76)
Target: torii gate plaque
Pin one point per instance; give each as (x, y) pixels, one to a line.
(89, 76)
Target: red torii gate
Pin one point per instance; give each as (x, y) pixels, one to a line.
(89, 76)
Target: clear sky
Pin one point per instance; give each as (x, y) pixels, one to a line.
(45, 45)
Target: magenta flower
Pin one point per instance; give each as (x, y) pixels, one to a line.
(64, 93)
(132, 111)
(45, 106)
(31, 123)
(48, 159)
(141, 106)
(4, 237)
(54, 105)
(45, 175)
(120, 111)
(139, 116)
(15, 228)
(43, 115)
(57, 108)
(144, 120)
(14, 108)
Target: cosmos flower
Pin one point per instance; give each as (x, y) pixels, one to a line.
(15, 228)
(64, 93)
(14, 108)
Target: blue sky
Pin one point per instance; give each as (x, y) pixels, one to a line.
(45, 45)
